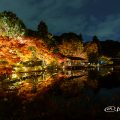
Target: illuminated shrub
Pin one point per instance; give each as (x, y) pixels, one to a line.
(11, 25)
(105, 60)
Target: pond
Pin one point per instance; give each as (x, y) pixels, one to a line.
(61, 94)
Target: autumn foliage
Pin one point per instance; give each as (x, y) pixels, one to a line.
(13, 51)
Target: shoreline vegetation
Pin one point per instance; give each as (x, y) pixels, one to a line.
(23, 49)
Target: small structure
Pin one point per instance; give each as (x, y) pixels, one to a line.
(75, 61)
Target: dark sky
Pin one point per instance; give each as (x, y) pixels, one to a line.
(89, 17)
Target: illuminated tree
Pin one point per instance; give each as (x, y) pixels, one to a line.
(11, 25)
(92, 51)
(71, 45)
(105, 60)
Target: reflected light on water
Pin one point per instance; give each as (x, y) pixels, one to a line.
(29, 84)
(41, 82)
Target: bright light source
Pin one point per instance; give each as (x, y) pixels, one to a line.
(14, 76)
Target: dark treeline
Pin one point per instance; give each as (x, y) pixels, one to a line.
(110, 48)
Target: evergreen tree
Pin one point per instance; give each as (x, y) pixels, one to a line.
(95, 38)
(97, 41)
(81, 38)
(42, 29)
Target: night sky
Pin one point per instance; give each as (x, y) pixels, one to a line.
(89, 17)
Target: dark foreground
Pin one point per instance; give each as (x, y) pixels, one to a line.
(79, 95)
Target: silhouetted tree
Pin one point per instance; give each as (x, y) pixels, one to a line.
(32, 33)
(81, 37)
(96, 40)
(42, 29)
(110, 48)
(70, 35)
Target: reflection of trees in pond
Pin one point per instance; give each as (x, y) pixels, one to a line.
(104, 78)
(73, 86)
(105, 71)
(93, 84)
(32, 83)
(74, 72)
(94, 73)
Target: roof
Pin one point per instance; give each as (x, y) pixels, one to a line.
(75, 58)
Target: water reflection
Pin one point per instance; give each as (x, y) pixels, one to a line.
(30, 84)
(67, 93)
(37, 82)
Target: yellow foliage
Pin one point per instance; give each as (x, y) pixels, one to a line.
(91, 48)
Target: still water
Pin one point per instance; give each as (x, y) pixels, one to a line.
(56, 94)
